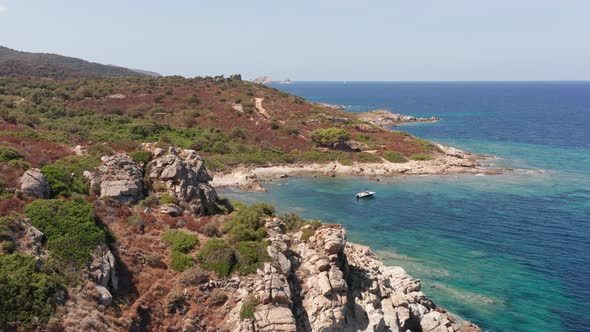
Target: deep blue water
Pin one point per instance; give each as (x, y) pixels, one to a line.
(510, 252)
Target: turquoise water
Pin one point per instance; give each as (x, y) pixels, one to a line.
(510, 252)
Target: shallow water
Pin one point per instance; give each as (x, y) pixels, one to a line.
(509, 252)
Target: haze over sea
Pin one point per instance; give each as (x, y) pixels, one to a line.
(509, 252)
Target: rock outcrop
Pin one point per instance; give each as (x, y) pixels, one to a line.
(103, 267)
(385, 118)
(317, 281)
(119, 177)
(103, 272)
(183, 175)
(34, 184)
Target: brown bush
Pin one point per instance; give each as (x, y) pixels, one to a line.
(193, 277)
(217, 297)
(154, 260)
(11, 205)
(211, 229)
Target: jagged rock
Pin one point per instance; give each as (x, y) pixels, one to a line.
(282, 261)
(435, 322)
(333, 285)
(80, 150)
(170, 209)
(103, 267)
(34, 184)
(119, 177)
(184, 176)
(105, 296)
(275, 319)
(332, 239)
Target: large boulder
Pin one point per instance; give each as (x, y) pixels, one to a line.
(119, 178)
(105, 297)
(183, 175)
(103, 267)
(34, 184)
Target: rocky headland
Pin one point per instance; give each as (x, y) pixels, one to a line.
(317, 281)
(386, 118)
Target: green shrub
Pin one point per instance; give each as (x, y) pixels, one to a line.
(292, 221)
(19, 164)
(167, 199)
(69, 226)
(420, 156)
(8, 153)
(249, 308)
(250, 255)
(217, 255)
(26, 296)
(310, 231)
(180, 241)
(180, 262)
(306, 234)
(394, 157)
(425, 145)
(65, 176)
(7, 247)
(248, 223)
(99, 150)
(329, 136)
(141, 157)
(367, 157)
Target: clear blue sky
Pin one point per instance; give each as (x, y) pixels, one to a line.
(314, 40)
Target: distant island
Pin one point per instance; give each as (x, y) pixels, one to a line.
(110, 219)
(263, 80)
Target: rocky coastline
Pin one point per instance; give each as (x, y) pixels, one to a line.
(312, 278)
(449, 161)
(317, 281)
(386, 118)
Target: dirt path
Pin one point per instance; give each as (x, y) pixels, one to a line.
(260, 109)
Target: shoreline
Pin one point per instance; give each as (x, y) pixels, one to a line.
(451, 161)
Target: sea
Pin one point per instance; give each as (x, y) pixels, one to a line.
(509, 252)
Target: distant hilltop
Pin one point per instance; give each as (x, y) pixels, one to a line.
(15, 63)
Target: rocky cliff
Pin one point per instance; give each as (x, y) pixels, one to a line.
(317, 281)
(301, 275)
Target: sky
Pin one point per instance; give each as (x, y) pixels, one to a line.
(319, 40)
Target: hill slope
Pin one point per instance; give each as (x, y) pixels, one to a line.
(16, 63)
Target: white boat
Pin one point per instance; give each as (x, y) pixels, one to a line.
(365, 193)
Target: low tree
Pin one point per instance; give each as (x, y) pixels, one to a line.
(329, 136)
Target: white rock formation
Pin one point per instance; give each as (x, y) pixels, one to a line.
(323, 283)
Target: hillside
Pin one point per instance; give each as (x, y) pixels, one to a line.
(109, 219)
(16, 63)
